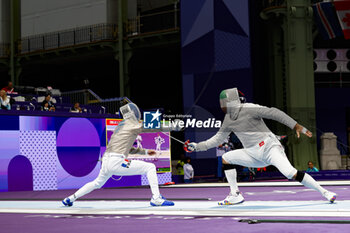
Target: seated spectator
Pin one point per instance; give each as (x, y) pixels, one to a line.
(47, 104)
(4, 100)
(76, 108)
(311, 167)
(45, 107)
(9, 88)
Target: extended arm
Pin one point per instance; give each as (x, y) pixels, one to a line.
(214, 141)
(283, 118)
(275, 114)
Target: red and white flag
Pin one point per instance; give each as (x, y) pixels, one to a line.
(343, 11)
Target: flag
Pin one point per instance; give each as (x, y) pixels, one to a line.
(343, 12)
(326, 20)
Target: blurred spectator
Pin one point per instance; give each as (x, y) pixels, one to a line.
(311, 167)
(226, 146)
(47, 104)
(180, 167)
(45, 107)
(4, 100)
(9, 88)
(188, 171)
(248, 174)
(76, 108)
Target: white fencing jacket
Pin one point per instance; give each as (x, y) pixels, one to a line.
(248, 126)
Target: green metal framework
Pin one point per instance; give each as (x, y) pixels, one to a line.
(89, 40)
(291, 54)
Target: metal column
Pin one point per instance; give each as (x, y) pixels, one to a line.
(295, 73)
(15, 35)
(123, 55)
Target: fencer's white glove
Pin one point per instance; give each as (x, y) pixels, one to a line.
(192, 146)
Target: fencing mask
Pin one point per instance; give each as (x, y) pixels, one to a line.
(230, 100)
(130, 111)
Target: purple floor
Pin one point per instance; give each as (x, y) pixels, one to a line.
(34, 223)
(217, 193)
(40, 223)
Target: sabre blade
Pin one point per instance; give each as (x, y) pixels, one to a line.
(174, 138)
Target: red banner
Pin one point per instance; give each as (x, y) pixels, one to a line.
(112, 122)
(343, 11)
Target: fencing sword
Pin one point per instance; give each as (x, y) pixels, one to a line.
(185, 144)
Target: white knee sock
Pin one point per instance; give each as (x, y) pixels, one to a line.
(153, 181)
(231, 176)
(72, 197)
(87, 188)
(309, 182)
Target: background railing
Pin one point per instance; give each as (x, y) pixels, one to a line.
(155, 22)
(276, 3)
(85, 96)
(90, 98)
(81, 35)
(272, 3)
(109, 105)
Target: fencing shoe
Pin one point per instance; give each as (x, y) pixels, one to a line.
(161, 201)
(67, 202)
(330, 196)
(232, 199)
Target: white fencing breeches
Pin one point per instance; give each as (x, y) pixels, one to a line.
(120, 167)
(271, 153)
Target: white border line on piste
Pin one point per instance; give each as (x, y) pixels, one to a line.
(295, 208)
(256, 184)
(336, 213)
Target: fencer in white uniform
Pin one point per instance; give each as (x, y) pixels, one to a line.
(261, 147)
(115, 162)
